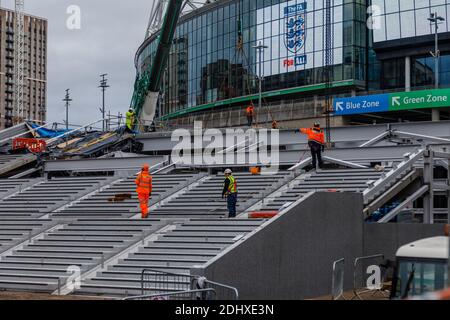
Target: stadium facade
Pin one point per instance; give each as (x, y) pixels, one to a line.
(213, 66)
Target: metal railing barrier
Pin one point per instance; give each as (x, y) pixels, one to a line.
(337, 283)
(223, 291)
(369, 269)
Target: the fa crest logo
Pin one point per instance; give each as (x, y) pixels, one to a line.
(295, 17)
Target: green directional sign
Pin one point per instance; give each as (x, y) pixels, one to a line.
(419, 99)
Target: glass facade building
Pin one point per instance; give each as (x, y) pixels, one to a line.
(405, 23)
(213, 59)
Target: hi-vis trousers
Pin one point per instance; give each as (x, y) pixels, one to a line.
(143, 203)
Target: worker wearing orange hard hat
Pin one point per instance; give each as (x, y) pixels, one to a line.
(144, 189)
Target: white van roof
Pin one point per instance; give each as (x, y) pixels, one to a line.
(429, 248)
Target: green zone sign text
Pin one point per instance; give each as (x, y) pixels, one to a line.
(437, 98)
(419, 99)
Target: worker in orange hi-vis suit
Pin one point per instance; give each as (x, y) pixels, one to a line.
(250, 112)
(316, 142)
(144, 189)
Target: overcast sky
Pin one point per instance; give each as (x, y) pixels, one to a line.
(111, 31)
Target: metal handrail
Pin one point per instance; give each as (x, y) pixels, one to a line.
(396, 171)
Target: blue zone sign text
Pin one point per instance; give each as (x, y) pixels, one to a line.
(363, 104)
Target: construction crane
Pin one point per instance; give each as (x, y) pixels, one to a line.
(147, 84)
(19, 63)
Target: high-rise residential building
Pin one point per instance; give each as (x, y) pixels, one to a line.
(35, 67)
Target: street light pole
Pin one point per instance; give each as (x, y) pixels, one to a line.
(103, 85)
(260, 48)
(436, 20)
(67, 99)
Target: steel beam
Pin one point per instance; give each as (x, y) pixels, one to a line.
(343, 137)
(428, 170)
(375, 140)
(302, 164)
(391, 192)
(421, 136)
(416, 195)
(102, 164)
(344, 163)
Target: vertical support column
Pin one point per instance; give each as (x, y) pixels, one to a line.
(448, 219)
(316, 103)
(448, 195)
(435, 114)
(428, 205)
(407, 74)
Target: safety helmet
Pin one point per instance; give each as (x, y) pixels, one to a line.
(145, 167)
(130, 110)
(317, 124)
(228, 171)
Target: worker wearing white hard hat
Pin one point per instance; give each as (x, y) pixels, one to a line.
(230, 192)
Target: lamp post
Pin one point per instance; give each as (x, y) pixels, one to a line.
(436, 20)
(103, 86)
(67, 99)
(260, 48)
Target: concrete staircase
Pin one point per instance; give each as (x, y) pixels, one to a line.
(38, 264)
(204, 200)
(99, 204)
(336, 179)
(48, 195)
(190, 243)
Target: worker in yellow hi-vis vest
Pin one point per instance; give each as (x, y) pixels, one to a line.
(230, 191)
(130, 118)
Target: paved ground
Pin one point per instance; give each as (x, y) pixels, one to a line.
(6, 295)
(366, 296)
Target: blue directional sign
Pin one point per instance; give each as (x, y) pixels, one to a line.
(363, 104)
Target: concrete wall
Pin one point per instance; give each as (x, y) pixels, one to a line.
(291, 257)
(386, 238)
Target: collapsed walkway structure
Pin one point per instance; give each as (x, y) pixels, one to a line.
(67, 218)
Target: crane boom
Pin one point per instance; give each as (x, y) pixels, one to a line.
(19, 63)
(146, 88)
